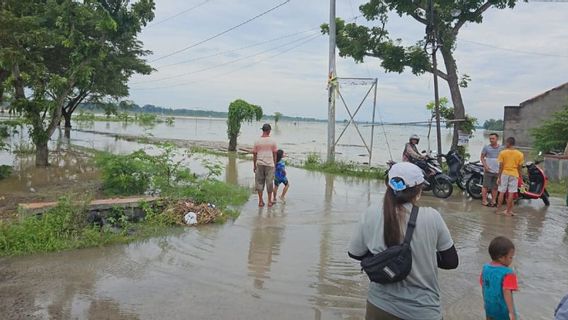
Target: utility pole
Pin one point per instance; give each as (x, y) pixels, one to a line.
(331, 86)
(433, 38)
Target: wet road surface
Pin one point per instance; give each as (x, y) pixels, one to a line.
(285, 262)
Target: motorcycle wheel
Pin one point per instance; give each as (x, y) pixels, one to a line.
(442, 188)
(473, 186)
(461, 183)
(545, 199)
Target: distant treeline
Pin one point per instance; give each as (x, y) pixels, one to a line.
(149, 108)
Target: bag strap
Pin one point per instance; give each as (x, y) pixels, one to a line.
(411, 225)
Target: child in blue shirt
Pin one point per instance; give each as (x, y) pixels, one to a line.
(280, 175)
(498, 281)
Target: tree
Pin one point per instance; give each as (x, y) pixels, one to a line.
(54, 49)
(552, 135)
(493, 125)
(359, 41)
(277, 116)
(239, 111)
(448, 113)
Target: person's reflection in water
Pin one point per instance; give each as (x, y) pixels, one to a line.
(267, 232)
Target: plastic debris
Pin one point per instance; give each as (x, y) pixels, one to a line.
(190, 218)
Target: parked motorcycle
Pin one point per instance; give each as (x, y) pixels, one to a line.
(475, 181)
(437, 182)
(532, 186)
(458, 170)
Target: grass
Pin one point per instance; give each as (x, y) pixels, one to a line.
(66, 226)
(23, 148)
(558, 189)
(314, 163)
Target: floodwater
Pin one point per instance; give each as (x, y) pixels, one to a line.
(285, 262)
(297, 138)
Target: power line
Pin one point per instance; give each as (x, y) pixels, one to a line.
(256, 44)
(178, 14)
(225, 63)
(515, 50)
(221, 33)
(311, 38)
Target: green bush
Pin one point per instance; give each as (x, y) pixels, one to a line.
(139, 172)
(552, 135)
(312, 159)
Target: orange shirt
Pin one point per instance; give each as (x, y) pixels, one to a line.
(511, 160)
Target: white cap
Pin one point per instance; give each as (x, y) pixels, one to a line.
(410, 174)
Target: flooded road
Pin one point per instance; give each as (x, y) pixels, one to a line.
(285, 262)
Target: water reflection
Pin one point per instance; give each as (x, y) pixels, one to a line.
(264, 247)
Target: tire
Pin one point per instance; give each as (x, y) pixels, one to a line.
(461, 183)
(545, 199)
(442, 187)
(473, 186)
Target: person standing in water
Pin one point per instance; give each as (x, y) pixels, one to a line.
(432, 247)
(489, 156)
(498, 281)
(510, 170)
(264, 161)
(280, 176)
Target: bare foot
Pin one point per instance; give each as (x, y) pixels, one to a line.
(261, 204)
(283, 198)
(509, 214)
(270, 204)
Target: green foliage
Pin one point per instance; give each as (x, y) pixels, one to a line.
(140, 173)
(23, 148)
(447, 113)
(552, 135)
(110, 109)
(5, 171)
(277, 116)
(239, 111)
(170, 121)
(59, 52)
(367, 40)
(146, 119)
(85, 116)
(558, 189)
(313, 162)
(214, 191)
(494, 125)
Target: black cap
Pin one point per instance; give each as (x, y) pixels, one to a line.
(266, 127)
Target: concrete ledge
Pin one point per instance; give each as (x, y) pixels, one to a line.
(95, 205)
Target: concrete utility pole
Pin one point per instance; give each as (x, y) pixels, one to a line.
(433, 37)
(331, 86)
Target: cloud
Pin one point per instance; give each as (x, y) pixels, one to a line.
(495, 54)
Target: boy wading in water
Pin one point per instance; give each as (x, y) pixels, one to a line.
(498, 281)
(510, 166)
(280, 176)
(264, 160)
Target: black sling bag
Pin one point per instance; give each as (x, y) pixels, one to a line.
(393, 264)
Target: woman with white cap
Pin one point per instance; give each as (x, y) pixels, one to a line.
(418, 295)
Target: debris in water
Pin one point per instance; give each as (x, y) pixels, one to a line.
(181, 210)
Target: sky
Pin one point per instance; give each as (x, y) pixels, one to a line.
(280, 60)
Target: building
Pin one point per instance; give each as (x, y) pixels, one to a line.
(519, 120)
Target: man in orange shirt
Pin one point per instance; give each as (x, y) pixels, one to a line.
(510, 170)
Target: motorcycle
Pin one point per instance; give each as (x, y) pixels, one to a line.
(458, 170)
(437, 182)
(534, 184)
(475, 182)
(531, 186)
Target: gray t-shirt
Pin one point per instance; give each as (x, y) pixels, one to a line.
(491, 155)
(417, 296)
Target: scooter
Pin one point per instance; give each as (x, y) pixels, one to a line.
(438, 182)
(475, 181)
(531, 186)
(534, 185)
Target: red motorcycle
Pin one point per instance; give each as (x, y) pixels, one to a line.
(533, 186)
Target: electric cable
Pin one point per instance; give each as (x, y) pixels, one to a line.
(177, 14)
(221, 33)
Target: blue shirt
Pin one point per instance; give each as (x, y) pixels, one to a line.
(492, 278)
(280, 173)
